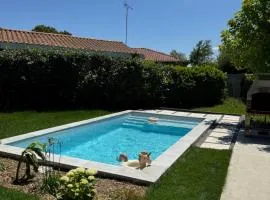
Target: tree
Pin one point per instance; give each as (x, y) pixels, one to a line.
(180, 56)
(247, 39)
(49, 29)
(65, 32)
(202, 53)
(225, 64)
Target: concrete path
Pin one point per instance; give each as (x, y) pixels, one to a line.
(221, 136)
(249, 170)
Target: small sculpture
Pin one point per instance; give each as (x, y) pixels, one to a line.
(144, 159)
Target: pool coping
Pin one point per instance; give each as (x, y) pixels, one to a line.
(147, 175)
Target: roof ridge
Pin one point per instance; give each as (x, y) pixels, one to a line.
(59, 34)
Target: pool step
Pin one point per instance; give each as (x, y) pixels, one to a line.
(136, 119)
(135, 122)
(145, 120)
(132, 124)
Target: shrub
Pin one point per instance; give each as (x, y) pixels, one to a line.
(51, 184)
(53, 79)
(78, 184)
(184, 87)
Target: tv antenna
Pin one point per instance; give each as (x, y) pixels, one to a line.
(127, 9)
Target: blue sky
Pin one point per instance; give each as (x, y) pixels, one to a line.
(158, 24)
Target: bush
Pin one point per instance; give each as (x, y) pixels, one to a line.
(51, 184)
(77, 184)
(53, 79)
(184, 87)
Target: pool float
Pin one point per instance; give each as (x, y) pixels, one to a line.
(143, 161)
(132, 164)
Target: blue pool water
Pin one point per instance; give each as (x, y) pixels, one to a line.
(103, 141)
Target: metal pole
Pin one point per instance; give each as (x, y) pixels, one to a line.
(126, 25)
(127, 8)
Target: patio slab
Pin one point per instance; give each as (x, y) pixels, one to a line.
(249, 170)
(221, 136)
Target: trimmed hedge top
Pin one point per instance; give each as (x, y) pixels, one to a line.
(41, 79)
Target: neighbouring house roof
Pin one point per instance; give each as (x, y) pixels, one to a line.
(156, 56)
(60, 40)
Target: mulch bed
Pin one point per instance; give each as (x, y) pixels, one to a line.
(107, 189)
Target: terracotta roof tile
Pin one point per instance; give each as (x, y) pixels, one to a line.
(59, 40)
(156, 56)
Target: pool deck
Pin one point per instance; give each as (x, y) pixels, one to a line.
(223, 134)
(147, 175)
(249, 170)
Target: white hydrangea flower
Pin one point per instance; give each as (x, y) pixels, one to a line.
(91, 178)
(64, 178)
(80, 170)
(70, 173)
(91, 172)
(84, 181)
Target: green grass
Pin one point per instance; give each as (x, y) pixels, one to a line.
(229, 106)
(16, 123)
(198, 174)
(9, 194)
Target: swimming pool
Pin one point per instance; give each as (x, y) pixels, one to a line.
(95, 143)
(106, 140)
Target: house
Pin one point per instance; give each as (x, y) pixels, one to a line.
(156, 56)
(24, 39)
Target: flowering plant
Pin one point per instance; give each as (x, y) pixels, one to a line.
(78, 184)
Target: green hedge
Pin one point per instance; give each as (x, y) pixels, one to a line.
(39, 79)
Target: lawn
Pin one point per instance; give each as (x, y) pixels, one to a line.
(16, 123)
(198, 174)
(228, 106)
(9, 194)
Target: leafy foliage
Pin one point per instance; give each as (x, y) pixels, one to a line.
(40, 79)
(30, 157)
(78, 184)
(51, 184)
(248, 38)
(180, 56)
(225, 64)
(202, 53)
(49, 29)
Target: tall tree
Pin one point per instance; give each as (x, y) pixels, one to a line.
(225, 64)
(180, 56)
(247, 40)
(49, 29)
(202, 53)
